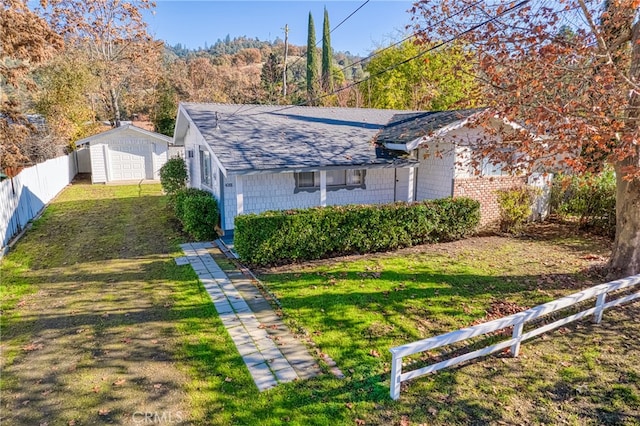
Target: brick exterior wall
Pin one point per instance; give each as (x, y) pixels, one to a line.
(484, 190)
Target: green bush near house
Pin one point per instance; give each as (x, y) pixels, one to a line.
(516, 207)
(278, 237)
(198, 212)
(173, 175)
(591, 198)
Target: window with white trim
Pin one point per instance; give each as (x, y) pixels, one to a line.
(205, 167)
(336, 179)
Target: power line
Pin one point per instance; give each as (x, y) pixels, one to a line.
(409, 37)
(334, 28)
(392, 67)
(300, 57)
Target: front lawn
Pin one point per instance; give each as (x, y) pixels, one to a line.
(356, 308)
(100, 326)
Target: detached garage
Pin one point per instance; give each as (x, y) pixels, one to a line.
(126, 153)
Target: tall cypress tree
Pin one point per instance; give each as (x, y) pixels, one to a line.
(312, 63)
(327, 77)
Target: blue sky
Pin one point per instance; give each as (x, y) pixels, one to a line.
(193, 23)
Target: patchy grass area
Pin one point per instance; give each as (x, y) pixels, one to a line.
(100, 326)
(356, 308)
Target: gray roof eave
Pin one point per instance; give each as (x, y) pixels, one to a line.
(398, 164)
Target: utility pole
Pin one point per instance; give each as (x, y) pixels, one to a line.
(286, 51)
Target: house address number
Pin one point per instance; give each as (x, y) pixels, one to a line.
(228, 185)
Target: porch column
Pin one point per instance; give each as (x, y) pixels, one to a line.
(411, 185)
(239, 196)
(323, 188)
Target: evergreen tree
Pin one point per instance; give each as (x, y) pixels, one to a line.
(312, 63)
(327, 75)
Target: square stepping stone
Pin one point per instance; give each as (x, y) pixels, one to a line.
(265, 344)
(180, 261)
(242, 339)
(253, 359)
(286, 375)
(277, 364)
(273, 353)
(261, 372)
(223, 307)
(246, 349)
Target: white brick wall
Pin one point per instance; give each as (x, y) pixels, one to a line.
(435, 173)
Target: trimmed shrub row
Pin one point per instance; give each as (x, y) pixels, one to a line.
(278, 237)
(198, 212)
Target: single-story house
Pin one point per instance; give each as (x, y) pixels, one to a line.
(255, 158)
(125, 153)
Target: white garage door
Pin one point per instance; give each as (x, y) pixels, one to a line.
(128, 162)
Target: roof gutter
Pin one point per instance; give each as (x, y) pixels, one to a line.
(399, 165)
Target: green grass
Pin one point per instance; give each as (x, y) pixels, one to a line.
(99, 323)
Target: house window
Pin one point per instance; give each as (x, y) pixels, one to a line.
(205, 167)
(336, 179)
(190, 153)
(308, 180)
(490, 169)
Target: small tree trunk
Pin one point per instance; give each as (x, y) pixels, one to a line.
(625, 258)
(115, 107)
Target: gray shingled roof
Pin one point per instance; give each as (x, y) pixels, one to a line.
(267, 137)
(406, 126)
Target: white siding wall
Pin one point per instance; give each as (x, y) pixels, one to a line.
(276, 191)
(379, 189)
(100, 161)
(435, 173)
(230, 201)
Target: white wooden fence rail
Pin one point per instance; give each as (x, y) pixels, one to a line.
(517, 321)
(24, 196)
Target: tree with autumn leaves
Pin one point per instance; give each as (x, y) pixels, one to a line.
(568, 71)
(65, 59)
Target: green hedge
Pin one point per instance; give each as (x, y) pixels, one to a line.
(198, 212)
(277, 237)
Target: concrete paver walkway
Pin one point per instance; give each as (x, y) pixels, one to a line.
(270, 352)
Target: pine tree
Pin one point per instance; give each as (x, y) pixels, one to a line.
(312, 63)
(327, 77)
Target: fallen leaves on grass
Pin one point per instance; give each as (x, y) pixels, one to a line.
(360, 422)
(32, 347)
(228, 379)
(374, 353)
(104, 412)
(119, 382)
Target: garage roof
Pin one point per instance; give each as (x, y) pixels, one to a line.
(129, 127)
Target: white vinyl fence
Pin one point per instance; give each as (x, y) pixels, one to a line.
(24, 196)
(517, 321)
